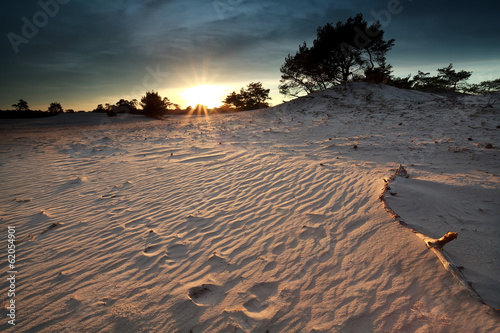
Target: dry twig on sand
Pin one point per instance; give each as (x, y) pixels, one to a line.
(435, 245)
(50, 227)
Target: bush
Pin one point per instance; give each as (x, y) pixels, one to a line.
(254, 97)
(21, 106)
(485, 87)
(401, 82)
(99, 109)
(55, 107)
(154, 105)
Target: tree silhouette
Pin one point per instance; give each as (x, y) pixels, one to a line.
(485, 87)
(254, 97)
(451, 78)
(401, 82)
(56, 108)
(124, 104)
(447, 79)
(154, 105)
(21, 106)
(99, 109)
(235, 100)
(338, 53)
(425, 80)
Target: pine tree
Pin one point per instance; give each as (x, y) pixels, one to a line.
(338, 53)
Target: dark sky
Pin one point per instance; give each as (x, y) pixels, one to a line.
(82, 53)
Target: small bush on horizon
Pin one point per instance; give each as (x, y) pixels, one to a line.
(154, 105)
(22, 105)
(447, 80)
(254, 97)
(55, 108)
(125, 106)
(99, 109)
(485, 87)
(22, 111)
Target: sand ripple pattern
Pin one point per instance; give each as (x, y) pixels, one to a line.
(215, 225)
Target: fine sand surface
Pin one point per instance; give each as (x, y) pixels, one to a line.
(262, 221)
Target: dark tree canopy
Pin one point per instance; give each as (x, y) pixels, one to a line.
(55, 108)
(401, 82)
(447, 79)
(154, 105)
(99, 109)
(254, 97)
(338, 53)
(451, 78)
(485, 87)
(21, 106)
(235, 100)
(130, 106)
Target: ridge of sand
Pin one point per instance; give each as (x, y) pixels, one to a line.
(468, 253)
(251, 222)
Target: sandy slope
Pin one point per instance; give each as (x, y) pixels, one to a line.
(258, 221)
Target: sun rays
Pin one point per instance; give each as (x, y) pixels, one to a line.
(208, 95)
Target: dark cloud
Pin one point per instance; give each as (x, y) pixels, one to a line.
(94, 49)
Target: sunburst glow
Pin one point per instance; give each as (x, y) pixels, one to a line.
(209, 95)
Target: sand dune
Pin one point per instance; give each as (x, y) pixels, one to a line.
(258, 221)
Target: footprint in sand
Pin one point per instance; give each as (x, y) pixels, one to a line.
(177, 252)
(152, 250)
(76, 181)
(312, 233)
(327, 255)
(218, 262)
(261, 293)
(264, 290)
(255, 306)
(74, 303)
(279, 249)
(203, 295)
(270, 266)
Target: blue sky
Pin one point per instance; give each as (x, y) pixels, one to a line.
(82, 53)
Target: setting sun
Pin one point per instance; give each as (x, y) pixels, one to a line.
(209, 95)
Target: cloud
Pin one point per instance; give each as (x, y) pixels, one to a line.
(106, 45)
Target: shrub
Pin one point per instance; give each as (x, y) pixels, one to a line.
(154, 105)
(254, 97)
(55, 108)
(21, 106)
